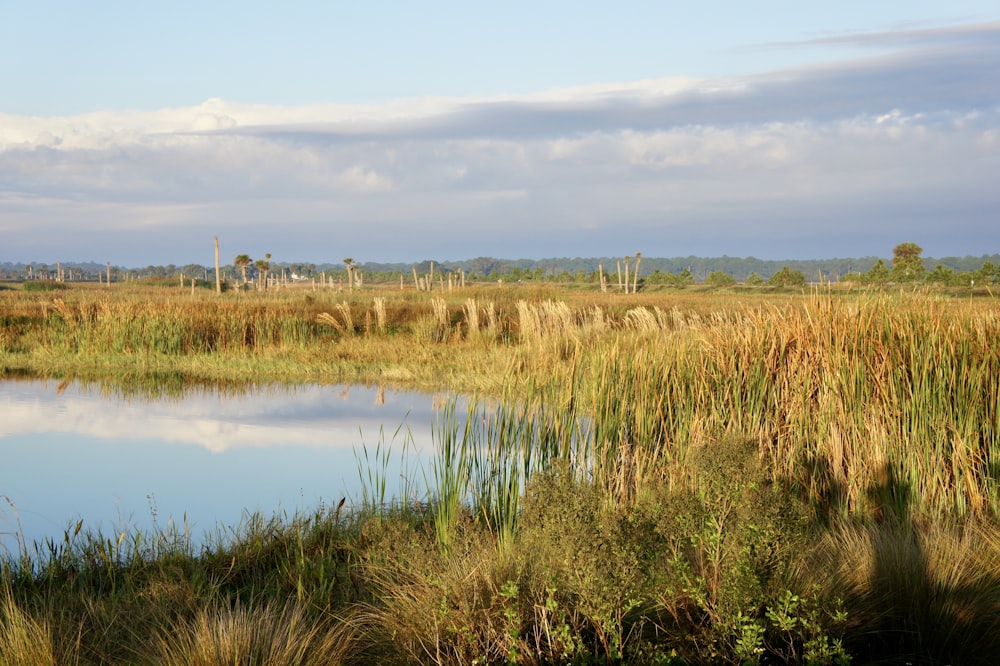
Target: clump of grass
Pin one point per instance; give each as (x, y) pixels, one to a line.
(437, 607)
(25, 641)
(925, 590)
(344, 309)
(440, 308)
(471, 309)
(492, 321)
(641, 319)
(261, 634)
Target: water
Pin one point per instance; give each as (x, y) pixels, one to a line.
(204, 459)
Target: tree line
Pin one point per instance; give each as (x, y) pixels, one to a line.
(907, 265)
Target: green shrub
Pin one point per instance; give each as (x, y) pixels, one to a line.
(44, 285)
(731, 543)
(720, 279)
(787, 277)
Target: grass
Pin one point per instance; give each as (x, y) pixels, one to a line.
(657, 478)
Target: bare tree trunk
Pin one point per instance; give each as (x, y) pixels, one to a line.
(626, 274)
(109, 273)
(619, 274)
(635, 279)
(218, 273)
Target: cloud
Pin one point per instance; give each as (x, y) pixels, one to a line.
(777, 164)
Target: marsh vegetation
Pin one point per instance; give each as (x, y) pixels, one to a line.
(654, 478)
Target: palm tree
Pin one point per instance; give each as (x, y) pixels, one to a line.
(906, 261)
(263, 265)
(242, 261)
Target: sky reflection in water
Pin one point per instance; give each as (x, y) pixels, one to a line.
(71, 452)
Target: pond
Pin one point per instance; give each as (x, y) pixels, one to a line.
(201, 460)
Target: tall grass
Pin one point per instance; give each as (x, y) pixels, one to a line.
(830, 391)
(25, 641)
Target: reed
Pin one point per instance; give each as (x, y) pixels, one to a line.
(471, 310)
(492, 321)
(440, 308)
(828, 390)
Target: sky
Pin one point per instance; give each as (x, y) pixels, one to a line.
(135, 133)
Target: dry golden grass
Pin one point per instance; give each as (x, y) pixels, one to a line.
(927, 587)
(263, 635)
(24, 641)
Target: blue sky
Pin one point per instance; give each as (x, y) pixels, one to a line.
(389, 131)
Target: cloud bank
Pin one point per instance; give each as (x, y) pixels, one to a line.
(842, 159)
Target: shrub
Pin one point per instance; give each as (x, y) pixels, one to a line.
(720, 279)
(787, 278)
(44, 285)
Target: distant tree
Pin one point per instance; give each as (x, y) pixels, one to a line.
(787, 277)
(681, 279)
(907, 265)
(263, 266)
(349, 265)
(988, 273)
(963, 279)
(753, 280)
(720, 279)
(906, 253)
(879, 274)
(940, 275)
(241, 262)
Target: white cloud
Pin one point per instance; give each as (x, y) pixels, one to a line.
(364, 179)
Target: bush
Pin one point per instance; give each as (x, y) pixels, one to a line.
(720, 279)
(787, 278)
(732, 542)
(44, 285)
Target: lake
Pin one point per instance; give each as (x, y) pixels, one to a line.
(207, 456)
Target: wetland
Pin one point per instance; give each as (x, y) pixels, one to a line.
(675, 476)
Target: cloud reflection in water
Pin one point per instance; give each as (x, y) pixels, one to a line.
(73, 452)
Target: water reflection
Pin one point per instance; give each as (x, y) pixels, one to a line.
(118, 460)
